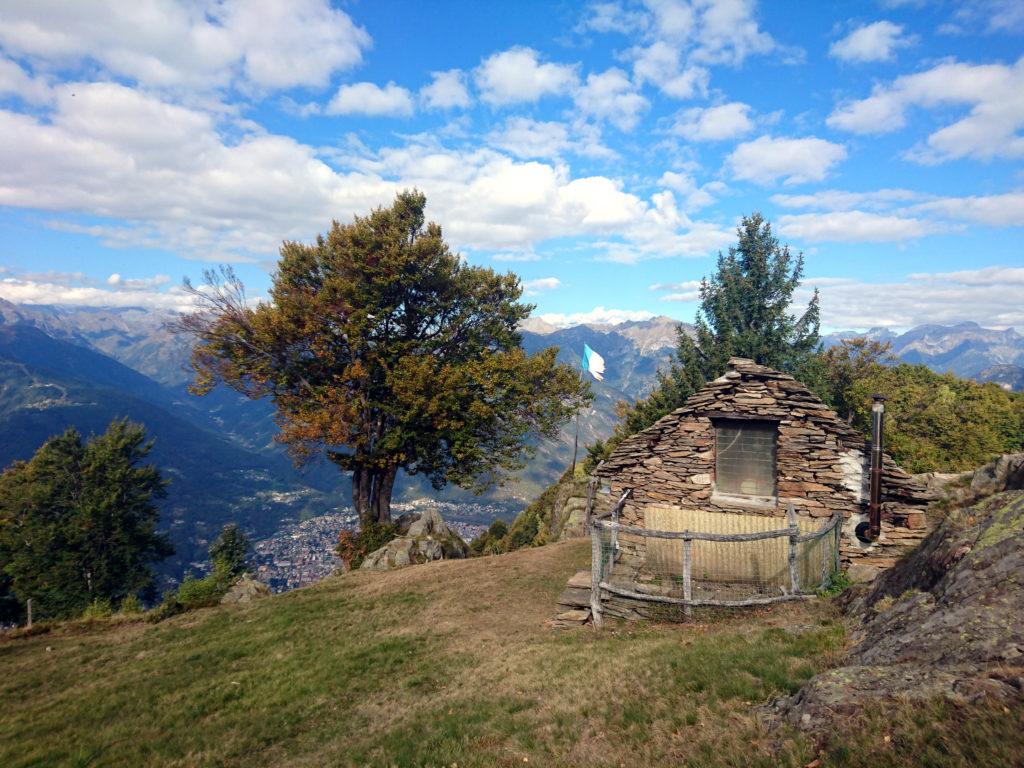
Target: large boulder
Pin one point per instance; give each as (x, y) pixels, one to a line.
(946, 621)
(423, 537)
(245, 590)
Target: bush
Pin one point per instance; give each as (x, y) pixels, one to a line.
(97, 609)
(353, 547)
(130, 605)
(490, 542)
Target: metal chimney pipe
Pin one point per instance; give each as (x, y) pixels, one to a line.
(875, 502)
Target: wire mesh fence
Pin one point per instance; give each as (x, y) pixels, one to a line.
(694, 557)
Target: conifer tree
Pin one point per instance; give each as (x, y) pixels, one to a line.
(745, 311)
(78, 520)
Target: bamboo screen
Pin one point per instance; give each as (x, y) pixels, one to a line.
(763, 563)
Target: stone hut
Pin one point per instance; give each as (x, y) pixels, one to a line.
(746, 445)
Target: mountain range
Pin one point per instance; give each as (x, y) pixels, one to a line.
(82, 367)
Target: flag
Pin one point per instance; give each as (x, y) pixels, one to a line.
(593, 363)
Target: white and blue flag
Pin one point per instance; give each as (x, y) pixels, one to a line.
(593, 363)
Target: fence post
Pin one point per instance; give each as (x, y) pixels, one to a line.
(839, 539)
(28, 604)
(687, 578)
(588, 514)
(794, 531)
(595, 576)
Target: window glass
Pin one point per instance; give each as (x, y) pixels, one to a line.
(745, 458)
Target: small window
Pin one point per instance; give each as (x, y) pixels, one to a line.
(745, 458)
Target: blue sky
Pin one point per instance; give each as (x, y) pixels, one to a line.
(603, 151)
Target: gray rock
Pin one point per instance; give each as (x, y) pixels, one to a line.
(1004, 474)
(245, 590)
(426, 537)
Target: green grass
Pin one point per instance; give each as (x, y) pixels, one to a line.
(444, 664)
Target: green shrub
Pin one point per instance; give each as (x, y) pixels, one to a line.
(97, 609)
(130, 605)
(838, 582)
(353, 547)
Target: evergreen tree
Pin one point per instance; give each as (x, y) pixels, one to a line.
(744, 311)
(228, 551)
(77, 521)
(384, 350)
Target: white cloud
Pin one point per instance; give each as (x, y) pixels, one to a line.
(526, 256)
(766, 159)
(272, 44)
(661, 64)
(528, 138)
(991, 210)
(541, 284)
(728, 32)
(17, 82)
(611, 95)
(685, 291)
(517, 76)
(37, 289)
(598, 316)
(158, 175)
(726, 121)
(872, 42)
(841, 200)
(447, 90)
(371, 99)
(855, 227)
(694, 197)
(140, 283)
(990, 297)
(994, 93)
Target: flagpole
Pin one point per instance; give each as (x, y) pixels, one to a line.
(576, 440)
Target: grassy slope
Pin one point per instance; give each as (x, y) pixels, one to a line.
(443, 664)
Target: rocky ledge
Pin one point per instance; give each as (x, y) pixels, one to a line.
(946, 622)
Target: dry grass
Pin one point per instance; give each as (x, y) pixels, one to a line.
(444, 664)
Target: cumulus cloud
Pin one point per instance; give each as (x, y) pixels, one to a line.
(904, 207)
(990, 210)
(661, 63)
(872, 42)
(989, 296)
(597, 316)
(273, 44)
(447, 90)
(766, 160)
(855, 227)
(612, 96)
(77, 290)
(161, 175)
(541, 284)
(843, 200)
(993, 92)
(688, 290)
(517, 76)
(370, 99)
(15, 81)
(694, 196)
(528, 138)
(726, 121)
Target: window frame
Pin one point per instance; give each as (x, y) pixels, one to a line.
(738, 421)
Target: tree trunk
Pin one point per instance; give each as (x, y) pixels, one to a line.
(385, 485)
(371, 493)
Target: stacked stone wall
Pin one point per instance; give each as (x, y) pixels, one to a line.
(821, 461)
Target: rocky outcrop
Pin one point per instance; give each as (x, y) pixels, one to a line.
(423, 537)
(946, 621)
(245, 590)
(1005, 473)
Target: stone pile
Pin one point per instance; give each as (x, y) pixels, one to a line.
(423, 537)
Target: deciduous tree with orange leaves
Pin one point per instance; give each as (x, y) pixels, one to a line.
(382, 348)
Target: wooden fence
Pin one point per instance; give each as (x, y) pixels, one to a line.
(777, 555)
